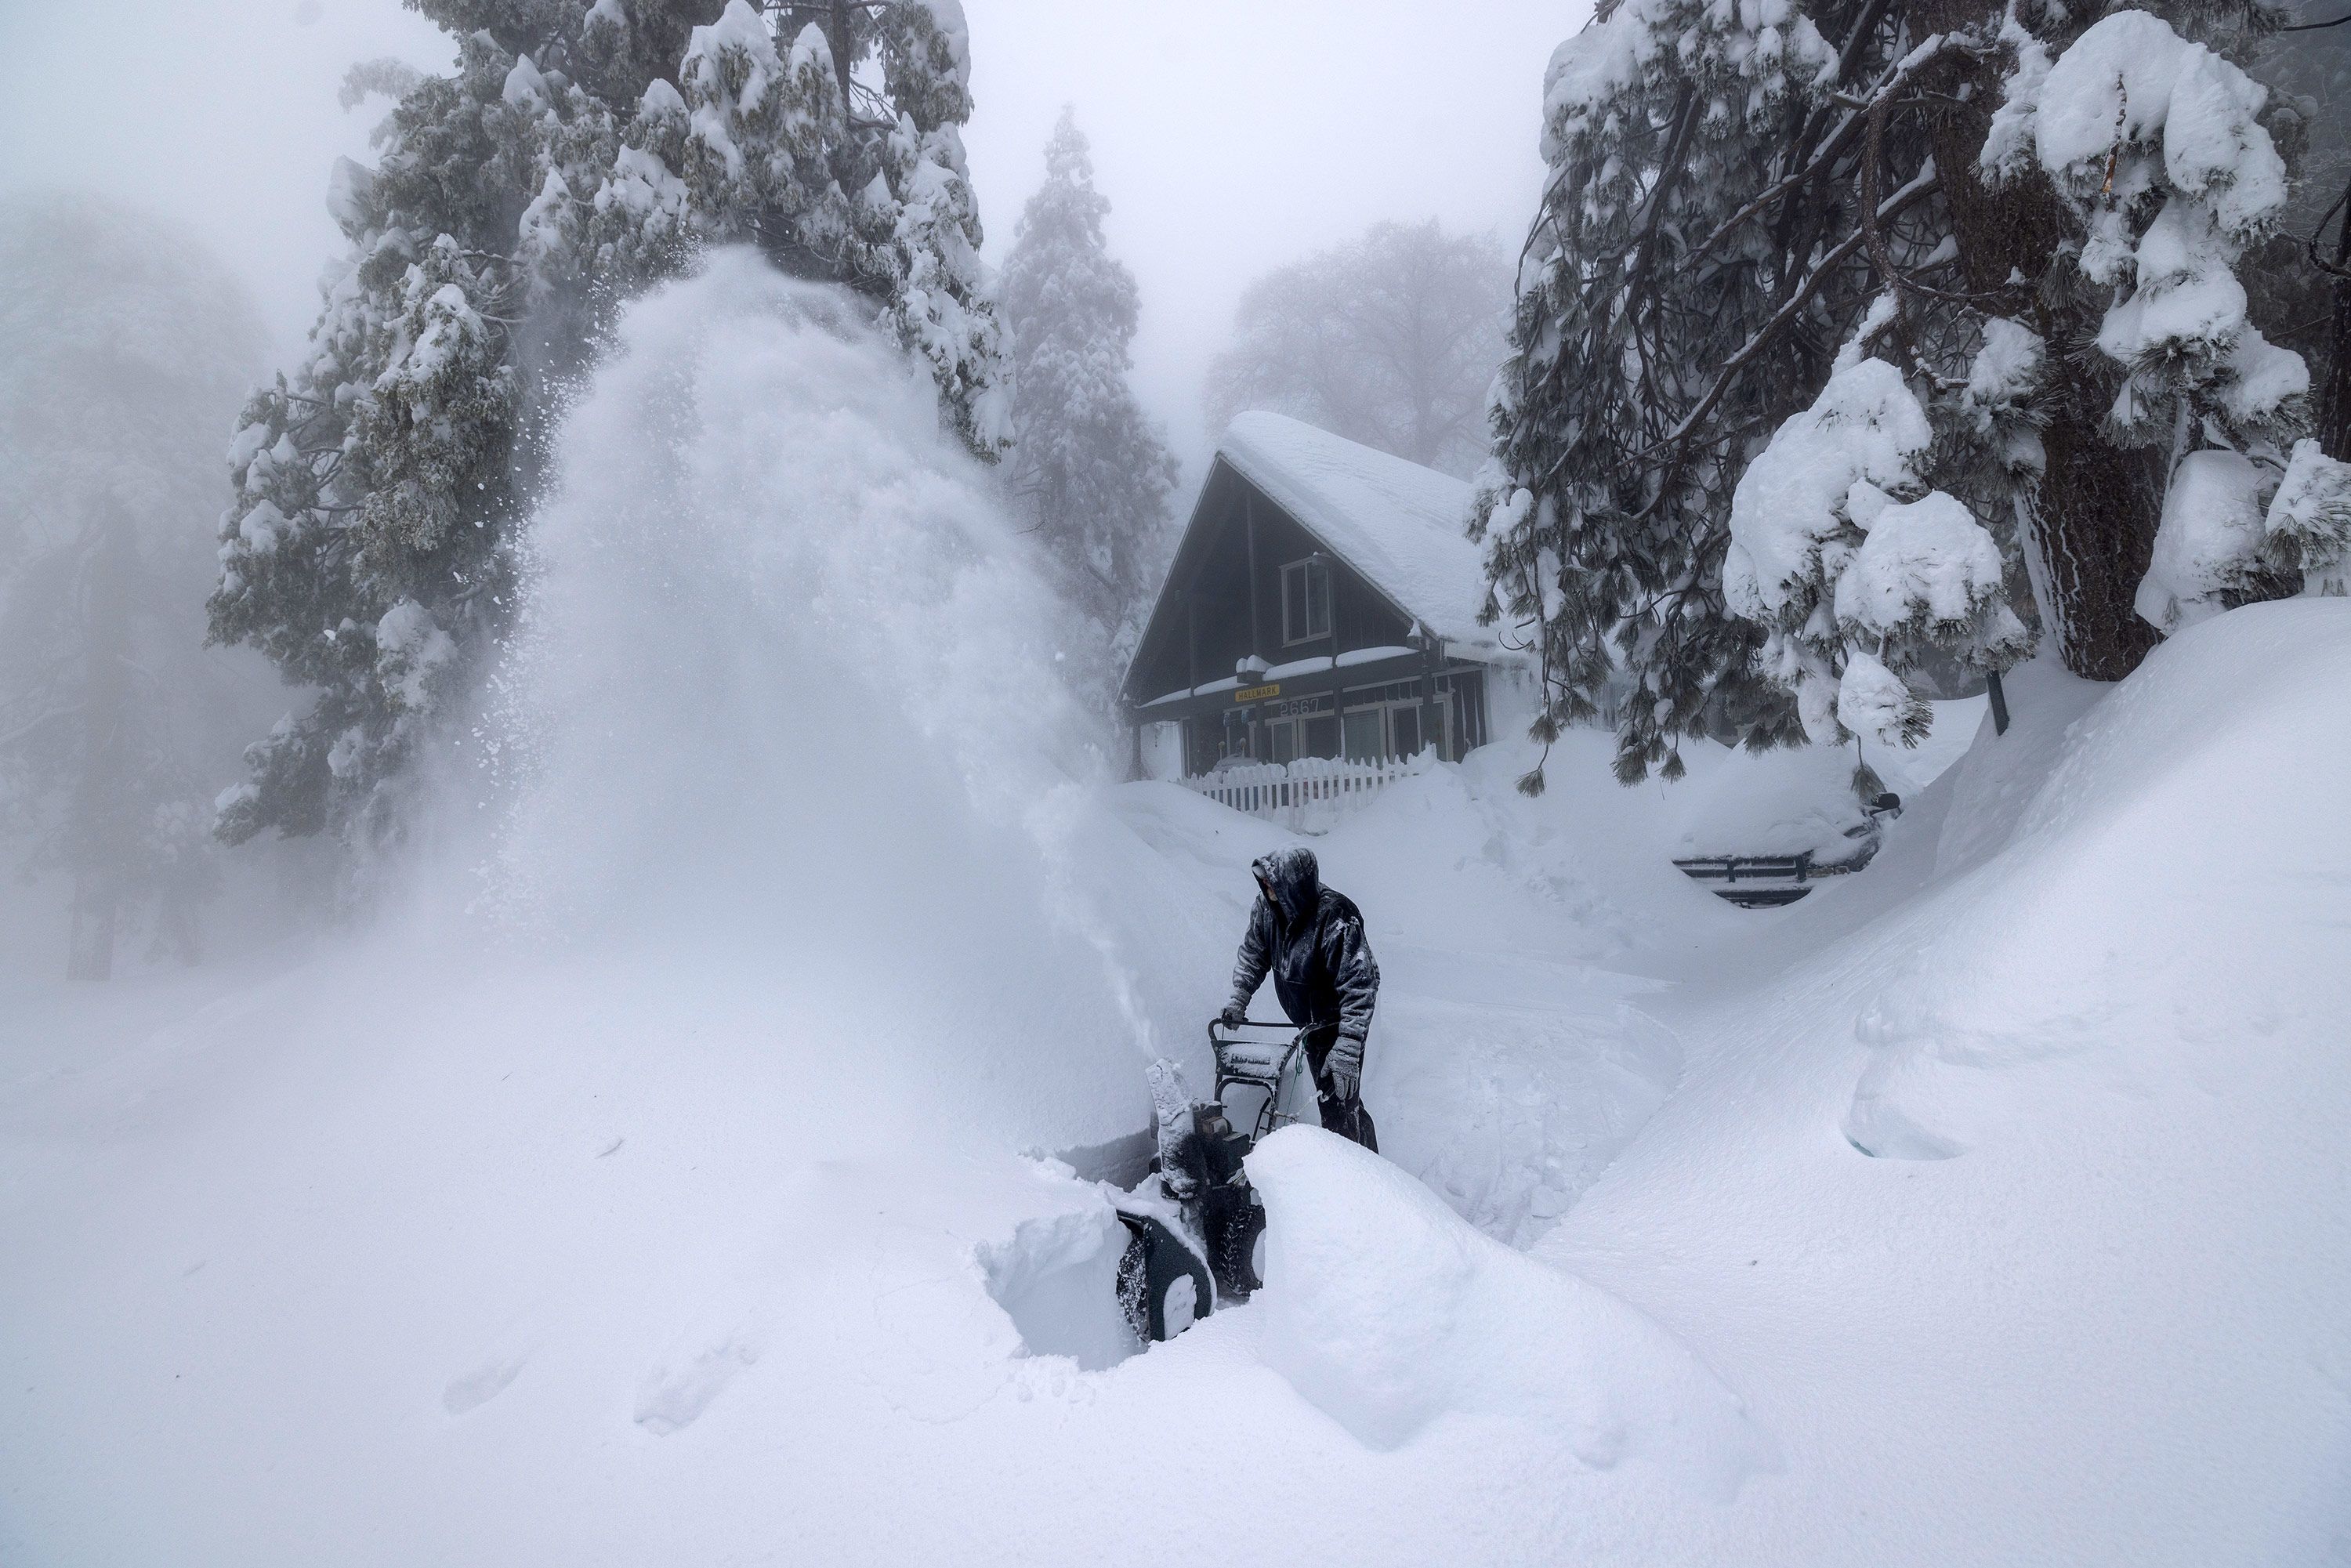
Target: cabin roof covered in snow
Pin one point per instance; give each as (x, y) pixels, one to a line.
(1398, 524)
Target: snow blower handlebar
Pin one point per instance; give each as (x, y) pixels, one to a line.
(1218, 1023)
(1261, 1064)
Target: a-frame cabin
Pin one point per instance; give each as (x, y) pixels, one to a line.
(1323, 603)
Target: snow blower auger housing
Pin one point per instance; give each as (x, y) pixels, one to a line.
(1195, 1226)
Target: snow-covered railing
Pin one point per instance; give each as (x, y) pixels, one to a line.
(1308, 795)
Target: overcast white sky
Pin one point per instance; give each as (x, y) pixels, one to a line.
(1230, 135)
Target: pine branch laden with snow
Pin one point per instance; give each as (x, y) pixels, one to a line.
(1088, 463)
(2307, 530)
(580, 152)
(1856, 571)
(2156, 142)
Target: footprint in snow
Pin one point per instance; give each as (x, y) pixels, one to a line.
(504, 1361)
(675, 1394)
(479, 1387)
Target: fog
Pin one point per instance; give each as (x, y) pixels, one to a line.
(1229, 137)
(1230, 140)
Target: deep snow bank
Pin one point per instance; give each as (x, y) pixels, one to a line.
(1388, 1312)
(2090, 1303)
(2173, 841)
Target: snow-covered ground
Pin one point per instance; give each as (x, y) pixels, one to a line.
(673, 1183)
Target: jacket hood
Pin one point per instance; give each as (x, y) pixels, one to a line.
(1293, 879)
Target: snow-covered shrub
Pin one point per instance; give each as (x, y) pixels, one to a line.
(2212, 535)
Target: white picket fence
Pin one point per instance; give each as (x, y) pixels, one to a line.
(1307, 796)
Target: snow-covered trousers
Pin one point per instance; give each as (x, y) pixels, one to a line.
(1345, 1117)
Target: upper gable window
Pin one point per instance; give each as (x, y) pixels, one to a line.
(1305, 601)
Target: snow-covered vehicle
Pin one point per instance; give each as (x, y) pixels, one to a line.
(1766, 882)
(1196, 1228)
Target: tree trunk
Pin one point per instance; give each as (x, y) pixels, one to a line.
(2094, 522)
(2334, 429)
(89, 950)
(2095, 515)
(101, 826)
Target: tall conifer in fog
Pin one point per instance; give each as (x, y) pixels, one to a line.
(123, 349)
(580, 150)
(1088, 461)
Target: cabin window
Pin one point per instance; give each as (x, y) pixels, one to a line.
(1305, 601)
(1404, 729)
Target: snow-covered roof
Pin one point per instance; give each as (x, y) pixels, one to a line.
(1397, 523)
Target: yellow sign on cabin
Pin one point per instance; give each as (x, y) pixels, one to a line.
(1257, 693)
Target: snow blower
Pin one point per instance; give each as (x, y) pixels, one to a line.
(1196, 1228)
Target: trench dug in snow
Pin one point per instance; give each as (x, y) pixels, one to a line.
(1386, 1310)
(1057, 1280)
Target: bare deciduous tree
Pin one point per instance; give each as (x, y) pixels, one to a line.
(1390, 339)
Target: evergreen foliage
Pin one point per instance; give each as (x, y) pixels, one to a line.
(2300, 280)
(580, 152)
(1088, 462)
(1767, 224)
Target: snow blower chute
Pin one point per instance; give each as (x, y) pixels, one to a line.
(1195, 1226)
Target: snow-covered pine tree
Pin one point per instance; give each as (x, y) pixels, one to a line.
(1088, 461)
(1735, 194)
(1642, 366)
(580, 150)
(2154, 145)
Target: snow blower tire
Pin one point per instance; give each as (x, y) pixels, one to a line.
(1163, 1286)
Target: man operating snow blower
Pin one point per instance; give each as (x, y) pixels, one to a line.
(1197, 1229)
(1311, 938)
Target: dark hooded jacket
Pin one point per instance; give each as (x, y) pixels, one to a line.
(1311, 940)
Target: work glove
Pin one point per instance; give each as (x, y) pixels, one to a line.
(1235, 1011)
(1345, 1085)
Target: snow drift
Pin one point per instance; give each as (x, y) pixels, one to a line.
(2088, 1302)
(1388, 1312)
